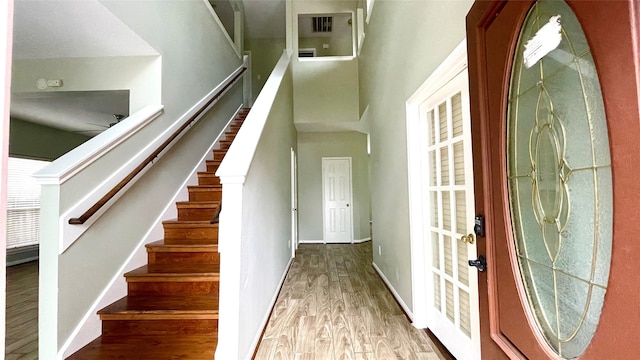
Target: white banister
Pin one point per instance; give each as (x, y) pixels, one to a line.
(240, 278)
(87, 153)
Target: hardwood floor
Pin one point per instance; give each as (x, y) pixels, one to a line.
(333, 306)
(22, 312)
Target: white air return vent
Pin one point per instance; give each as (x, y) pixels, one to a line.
(321, 24)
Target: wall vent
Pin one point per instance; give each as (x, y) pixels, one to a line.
(321, 24)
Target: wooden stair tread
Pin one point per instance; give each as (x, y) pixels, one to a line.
(194, 243)
(177, 271)
(188, 223)
(204, 187)
(184, 246)
(165, 307)
(165, 347)
(197, 204)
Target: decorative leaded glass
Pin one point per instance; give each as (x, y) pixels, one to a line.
(559, 177)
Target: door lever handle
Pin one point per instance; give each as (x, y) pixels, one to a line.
(480, 263)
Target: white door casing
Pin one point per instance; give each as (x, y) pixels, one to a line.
(336, 204)
(445, 289)
(294, 203)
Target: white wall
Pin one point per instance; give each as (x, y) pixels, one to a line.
(196, 57)
(405, 42)
(312, 146)
(142, 75)
(255, 223)
(267, 219)
(325, 89)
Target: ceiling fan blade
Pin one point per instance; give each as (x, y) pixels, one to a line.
(101, 125)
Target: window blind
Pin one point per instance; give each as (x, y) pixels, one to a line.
(23, 202)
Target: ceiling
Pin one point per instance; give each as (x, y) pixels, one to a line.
(84, 112)
(44, 29)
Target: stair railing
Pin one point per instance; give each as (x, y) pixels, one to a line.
(97, 200)
(155, 154)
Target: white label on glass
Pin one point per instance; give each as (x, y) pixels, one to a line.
(543, 42)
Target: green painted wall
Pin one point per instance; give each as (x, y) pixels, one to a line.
(312, 147)
(34, 141)
(264, 56)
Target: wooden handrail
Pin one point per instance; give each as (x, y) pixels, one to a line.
(109, 195)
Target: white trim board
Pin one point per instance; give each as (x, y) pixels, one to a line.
(312, 242)
(393, 291)
(355, 241)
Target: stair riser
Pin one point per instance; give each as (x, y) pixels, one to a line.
(184, 257)
(173, 288)
(159, 327)
(208, 180)
(212, 168)
(219, 154)
(202, 214)
(208, 235)
(209, 195)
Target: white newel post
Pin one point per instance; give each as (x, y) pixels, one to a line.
(230, 245)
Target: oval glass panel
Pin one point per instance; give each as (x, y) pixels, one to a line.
(559, 178)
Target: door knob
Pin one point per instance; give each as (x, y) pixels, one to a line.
(347, 205)
(469, 239)
(480, 263)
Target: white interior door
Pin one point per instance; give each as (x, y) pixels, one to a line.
(452, 311)
(336, 192)
(294, 203)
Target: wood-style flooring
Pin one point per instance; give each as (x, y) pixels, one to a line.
(22, 312)
(333, 305)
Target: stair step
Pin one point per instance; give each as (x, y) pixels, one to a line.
(212, 165)
(179, 232)
(193, 347)
(219, 154)
(197, 210)
(225, 144)
(162, 308)
(174, 272)
(208, 178)
(174, 279)
(185, 253)
(205, 193)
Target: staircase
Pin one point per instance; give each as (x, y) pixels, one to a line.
(171, 310)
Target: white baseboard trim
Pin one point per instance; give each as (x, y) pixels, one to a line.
(311, 242)
(356, 241)
(393, 292)
(265, 320)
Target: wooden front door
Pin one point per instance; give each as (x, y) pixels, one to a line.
(556, 129)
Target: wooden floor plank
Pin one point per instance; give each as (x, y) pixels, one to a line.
(21, 326)
(333, 298)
